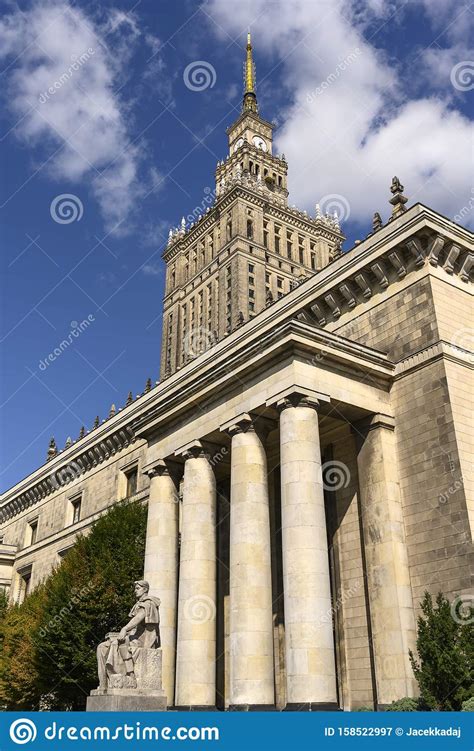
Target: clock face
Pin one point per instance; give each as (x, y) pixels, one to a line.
(239, 143)
(259, 143)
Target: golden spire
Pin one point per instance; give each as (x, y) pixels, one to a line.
(250, 96)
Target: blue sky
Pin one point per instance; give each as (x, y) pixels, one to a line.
(99, 103)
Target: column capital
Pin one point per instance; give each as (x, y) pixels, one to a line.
(161, 468)
(373, 422)
(246, 422)
(156, 469)
(297, 396)
(193, 450)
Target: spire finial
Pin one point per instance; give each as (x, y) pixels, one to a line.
(250, 96)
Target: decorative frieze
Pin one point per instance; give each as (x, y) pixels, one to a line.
(68, 470)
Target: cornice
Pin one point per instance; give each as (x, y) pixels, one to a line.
(70, 464)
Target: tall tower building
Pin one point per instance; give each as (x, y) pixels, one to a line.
(248, 248)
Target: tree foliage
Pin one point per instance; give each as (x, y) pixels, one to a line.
(444, 667)
(52, 637)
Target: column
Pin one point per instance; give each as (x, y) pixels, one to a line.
(389, 587)
(309, 641)
(250, 583)
(196, 646)
(161, 562)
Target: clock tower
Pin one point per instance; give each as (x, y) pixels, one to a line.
(245, 248)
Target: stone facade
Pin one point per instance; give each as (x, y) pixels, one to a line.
(307, 472)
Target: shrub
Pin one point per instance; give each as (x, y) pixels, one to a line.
(468, 705)
(444, 667)
(406, 704)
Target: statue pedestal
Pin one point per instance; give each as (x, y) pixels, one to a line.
(119, 696)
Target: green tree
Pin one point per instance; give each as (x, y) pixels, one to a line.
(18, 677)
(53, 635)
(444, 667)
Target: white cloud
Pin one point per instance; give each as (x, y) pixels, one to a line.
(351, 125)
(65, 70)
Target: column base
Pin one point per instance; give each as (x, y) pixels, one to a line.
(312, 706)
(252, 708)
(193, 708)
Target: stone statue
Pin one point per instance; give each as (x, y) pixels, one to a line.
(117, 655)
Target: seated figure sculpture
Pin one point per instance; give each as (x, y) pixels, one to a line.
(117, 655)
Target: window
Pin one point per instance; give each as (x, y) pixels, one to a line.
(24, 583)
(33, 531)
(132, 481)
(251, 268)
(251, 280)
(74, 510)
(277, 239)
(249, 229)
(252, 307)
(313, 261)
(251, 293)
(301, 252)
(279, 282)
(267, 278)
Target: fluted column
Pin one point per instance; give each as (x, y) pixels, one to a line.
(310, 660)
(196, 645)
(388, 577)
(161, 562)
(250, 582)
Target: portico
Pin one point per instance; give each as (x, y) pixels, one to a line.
(259, 614)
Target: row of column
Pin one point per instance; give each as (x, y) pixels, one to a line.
(188, 605)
